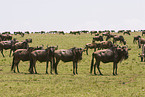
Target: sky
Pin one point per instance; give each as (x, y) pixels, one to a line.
(71, 15)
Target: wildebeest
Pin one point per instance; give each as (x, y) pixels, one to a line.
(93, 32)
(105, 33)
(98, 38)
(20, 33)
(61, 32)
(143, 53)
(110, 36)
(136, 38)
(114, 54)
(92, 45)
(119, 38)
(126, 32)
(141, 41)
(74, 32)
(143, 32)
(7, 45)
(66, 55)
(42, 56)
(105, 44)
(19, 45)
(22, 54)
(5, 37)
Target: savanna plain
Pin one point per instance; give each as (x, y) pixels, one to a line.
(130, 81)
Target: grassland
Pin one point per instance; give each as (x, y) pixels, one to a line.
(129, 82)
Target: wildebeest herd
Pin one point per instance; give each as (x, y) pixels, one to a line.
(104, 51)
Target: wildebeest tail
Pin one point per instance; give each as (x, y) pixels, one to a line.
(92, 63)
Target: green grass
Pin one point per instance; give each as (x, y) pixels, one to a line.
(130, 80)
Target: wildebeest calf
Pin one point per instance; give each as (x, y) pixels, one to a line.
(114, 54)
(73, 54)
(136, 38)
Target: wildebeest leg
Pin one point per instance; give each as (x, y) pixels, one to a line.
(87, 51)
(92, 63)
(34, 65)
(98, 64)
(114, 68)
(76, 68)
(31, 66)
(2, 53)
(95, 68)
(57, 61)
(17, 66)
(47, 67)
(10, 53)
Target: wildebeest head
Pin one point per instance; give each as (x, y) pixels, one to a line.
(123, 51)
(50, 50)
(77, 53)
(29, 40)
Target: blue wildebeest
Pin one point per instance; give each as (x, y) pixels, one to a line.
(67, 55)
(114, 54)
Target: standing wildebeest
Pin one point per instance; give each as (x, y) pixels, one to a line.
(92, 45)
(19, 45)
(75, 32)
(126, 32)
(105, 44)
(98, 38)
(114, 54)
(143, 32)
(5, 37)
(119, 38)
(7, 45)
(105, 33)
(61, 32)
(73, 54)
(136, 38)
(43, 56)
(110, 36)
(141, 41)
(93, 32)
(143, 53)
(22, 54)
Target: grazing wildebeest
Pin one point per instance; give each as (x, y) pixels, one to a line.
(61, 32)
(24, 55)
(126, 32)
(42, 56)
(28, 40)
(92, 45)
(7, 45)
(136, 38)
(110, 36)
(141, 41)
(143, 32)
(98, 38)
(73, 54)
(114, 54)
(93, 32)
(20, 33)
(105, 44)
(19, 45)
(119, 38)
(75, 32)
(105, 33)
(143, 53)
